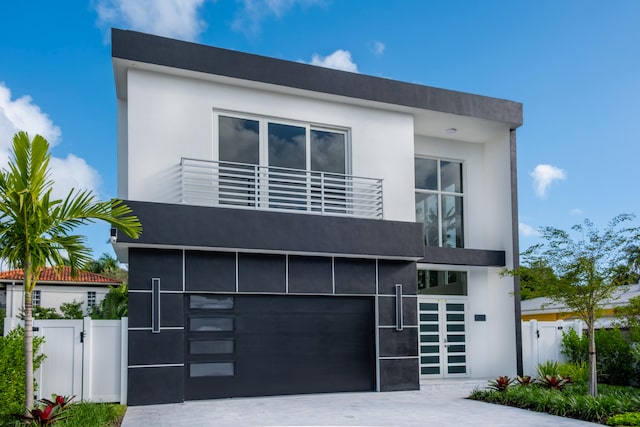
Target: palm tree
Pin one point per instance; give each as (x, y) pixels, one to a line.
(35, 231)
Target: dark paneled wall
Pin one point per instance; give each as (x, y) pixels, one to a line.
(162, 353)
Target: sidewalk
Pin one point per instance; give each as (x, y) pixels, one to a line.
(435, 405)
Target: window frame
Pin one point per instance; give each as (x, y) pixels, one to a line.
(440, 196)
(36, 299)
(92, 299)
(263, 137)
(445, 271)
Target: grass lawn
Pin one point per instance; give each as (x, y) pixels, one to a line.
(83, 414)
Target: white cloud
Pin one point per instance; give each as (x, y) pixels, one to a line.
(249, 19)
(526, 230)
(543, 176)
(169, 18)
(378, 48)
(339, 60)
(577, 211)
(73, 172)
(23, 115)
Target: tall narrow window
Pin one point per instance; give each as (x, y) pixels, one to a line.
(439, 201)
(36, 299)
(330, 188)
(287, 160)
(239, 149)
(91, 299)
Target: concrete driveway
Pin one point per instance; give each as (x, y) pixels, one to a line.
(434, 405)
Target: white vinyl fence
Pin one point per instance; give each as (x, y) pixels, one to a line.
(542, 341)
(86, 358)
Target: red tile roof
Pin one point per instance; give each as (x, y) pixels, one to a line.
(61, 275)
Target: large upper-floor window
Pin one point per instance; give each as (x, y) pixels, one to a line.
(439, 201)
(283, 165)
(279, 144)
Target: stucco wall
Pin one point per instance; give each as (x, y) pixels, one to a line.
(51, 296)
(170, 117)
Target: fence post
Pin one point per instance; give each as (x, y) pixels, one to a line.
(124, 359)
(86, 334)
(533, 325)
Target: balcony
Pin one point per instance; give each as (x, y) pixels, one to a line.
(240, 185)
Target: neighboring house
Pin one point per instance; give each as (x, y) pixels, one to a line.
(55, 286)
(543, 309)
(309, 230)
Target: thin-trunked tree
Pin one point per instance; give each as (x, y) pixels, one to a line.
(586, 271)
(36, 230)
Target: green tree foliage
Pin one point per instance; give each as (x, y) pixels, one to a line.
(614, 355)
(587, 266)
(36, 229)
(114, 305)
(12, 373)
(71, 310)
(532, 276)
(629, 316)
(107, 266)
(68, 310)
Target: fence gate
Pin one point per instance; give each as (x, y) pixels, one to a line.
(84, 358)
(542, 341)
(61, 370)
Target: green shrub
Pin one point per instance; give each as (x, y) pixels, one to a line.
(626, 419)
(577, 371)
(12, 373)
(548, 368)
(614, 356)
(572, 402)
(114, 305)
(575, 347)
(500, 383)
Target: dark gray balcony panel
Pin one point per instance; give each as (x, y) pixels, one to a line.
(261, 273)
(310, 275)
(399, 374)
(355, 276)
(387, 311)
(210, 271)
(395, 343)
(155, 385)
(391, 273)
(210, 227)
(147, 348)
(463, 256)
(163, 264)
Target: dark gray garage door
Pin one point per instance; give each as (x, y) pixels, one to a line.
(249, 345)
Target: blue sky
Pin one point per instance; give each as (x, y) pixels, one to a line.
(574, 64)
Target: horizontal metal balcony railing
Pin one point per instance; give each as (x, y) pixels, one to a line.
(213, 183)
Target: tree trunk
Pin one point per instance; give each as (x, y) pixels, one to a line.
(28, 351)
(593, 373)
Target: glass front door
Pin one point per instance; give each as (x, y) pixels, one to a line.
(443, 337)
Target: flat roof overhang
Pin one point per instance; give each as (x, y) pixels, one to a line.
(484, 114)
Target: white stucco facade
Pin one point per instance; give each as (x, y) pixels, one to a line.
(51, 296)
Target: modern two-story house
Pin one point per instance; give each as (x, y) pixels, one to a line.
(309, 230)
